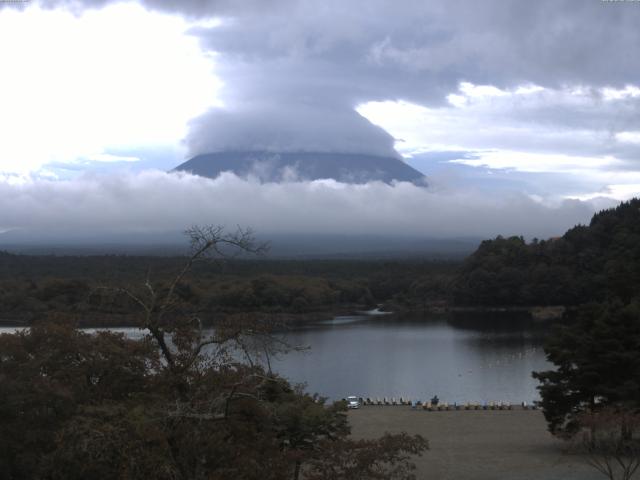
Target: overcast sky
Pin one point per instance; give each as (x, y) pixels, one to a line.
(523, 115)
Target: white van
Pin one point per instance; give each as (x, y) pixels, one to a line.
(353, 402)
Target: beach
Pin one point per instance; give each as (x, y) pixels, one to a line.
(478, 444)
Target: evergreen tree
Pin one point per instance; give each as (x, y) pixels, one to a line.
(588, 263)
(597, 360)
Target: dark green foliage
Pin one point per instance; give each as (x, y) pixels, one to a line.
(49, 374)
(597, 360)
(75, 406)
(33, 285)
(587, 263)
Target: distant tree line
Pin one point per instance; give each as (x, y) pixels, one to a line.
(31, 286)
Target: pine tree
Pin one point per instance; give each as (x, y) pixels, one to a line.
(597, 359)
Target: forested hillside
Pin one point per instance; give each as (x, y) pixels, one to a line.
(588, 263)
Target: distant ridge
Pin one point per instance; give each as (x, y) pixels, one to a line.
(278, 167)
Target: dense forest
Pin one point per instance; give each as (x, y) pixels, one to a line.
(591, 262)
(596, 348)
(31, 286)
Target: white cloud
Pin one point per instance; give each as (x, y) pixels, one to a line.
(618, 192)
(535, 86)
(74, 86)
(470, 90)
(629, 91)
(628, 137)
(539, 163)
(624, 191)
(526, 128)
(109, 158)
(282, 128)
(156, 202)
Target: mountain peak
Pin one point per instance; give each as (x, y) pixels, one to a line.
(278, 167)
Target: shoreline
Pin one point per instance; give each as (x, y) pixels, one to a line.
(119, 320)
(124, 320)
(537, 312)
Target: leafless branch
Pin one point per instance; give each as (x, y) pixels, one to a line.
(609, 444)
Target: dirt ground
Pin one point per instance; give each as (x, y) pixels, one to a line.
(478, 445)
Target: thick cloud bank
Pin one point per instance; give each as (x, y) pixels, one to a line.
(157, 202)
(282, 59)
(328, 56)
(283, 129)
(552, 77)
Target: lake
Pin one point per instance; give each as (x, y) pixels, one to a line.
(460, 358)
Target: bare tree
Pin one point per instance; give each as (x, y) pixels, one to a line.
(161, 310)
(180, 334)
(609, 442)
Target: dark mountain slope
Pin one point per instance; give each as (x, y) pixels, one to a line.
(276, 167)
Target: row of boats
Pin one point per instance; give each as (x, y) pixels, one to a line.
(440, 406)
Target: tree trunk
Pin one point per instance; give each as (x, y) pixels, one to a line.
(296, 471)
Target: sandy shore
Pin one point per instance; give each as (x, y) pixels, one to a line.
(477, 445)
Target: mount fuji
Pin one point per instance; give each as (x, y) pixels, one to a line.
(279, 167)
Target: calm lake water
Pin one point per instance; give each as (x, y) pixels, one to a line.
(461, 358)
